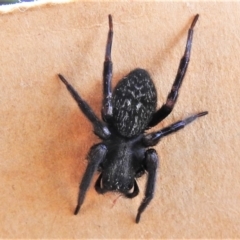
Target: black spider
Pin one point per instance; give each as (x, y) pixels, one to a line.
(127, 112)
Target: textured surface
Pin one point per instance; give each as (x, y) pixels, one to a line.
(134, 102)
(44, 138)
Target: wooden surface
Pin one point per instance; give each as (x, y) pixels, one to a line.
(44, 138)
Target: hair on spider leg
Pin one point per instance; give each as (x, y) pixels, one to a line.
(128, 110)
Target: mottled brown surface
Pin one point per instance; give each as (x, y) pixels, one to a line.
(44, 137)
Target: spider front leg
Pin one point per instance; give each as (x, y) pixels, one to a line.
(167, 108)
(107, 76)
(96, 156)
(151, 164)
(100, 128)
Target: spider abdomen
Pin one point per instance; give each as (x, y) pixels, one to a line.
(134, 102)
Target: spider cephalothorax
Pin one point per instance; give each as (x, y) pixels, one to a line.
(124, 153)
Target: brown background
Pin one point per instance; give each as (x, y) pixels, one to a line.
(44, 138)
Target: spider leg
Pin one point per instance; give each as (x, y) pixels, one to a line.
(95, 157)
(98, 187)
(151, 164)
(135, 191)
(107, 107)
(166, 108)
(152, 139)
(100, 128)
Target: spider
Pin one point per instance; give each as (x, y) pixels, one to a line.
(125, 152)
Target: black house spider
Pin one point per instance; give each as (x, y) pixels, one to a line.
(127, 112)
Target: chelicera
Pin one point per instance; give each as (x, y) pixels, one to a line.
(128, 110)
